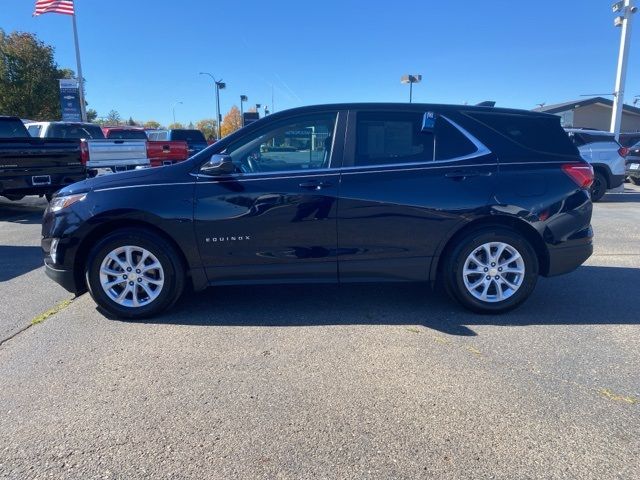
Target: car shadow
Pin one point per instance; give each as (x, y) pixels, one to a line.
(27, 213)
(574, 299)
(18, 260)
(623, 197)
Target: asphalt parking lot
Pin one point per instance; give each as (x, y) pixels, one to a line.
(362, 381)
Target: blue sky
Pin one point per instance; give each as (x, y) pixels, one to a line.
(139, 57)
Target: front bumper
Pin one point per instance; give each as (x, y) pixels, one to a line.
(65, 278)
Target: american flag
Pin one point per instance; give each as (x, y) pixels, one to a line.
(54, 6)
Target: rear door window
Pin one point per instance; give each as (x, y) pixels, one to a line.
(387, 138)
(189, 136)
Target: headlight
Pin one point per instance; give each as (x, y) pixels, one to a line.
(58, 203)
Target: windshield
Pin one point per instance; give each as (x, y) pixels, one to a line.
(76, 131)
(189, 136)
(127, 134)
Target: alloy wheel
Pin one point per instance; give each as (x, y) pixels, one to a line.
(493, 272)
(131, 276)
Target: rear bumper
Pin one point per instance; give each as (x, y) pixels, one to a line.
(616, 180)
(569, 255)
(65, 278)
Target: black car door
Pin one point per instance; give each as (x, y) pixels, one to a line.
(275, 219)
(404, 186)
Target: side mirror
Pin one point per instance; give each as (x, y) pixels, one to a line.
(219, 165)
(429, 122)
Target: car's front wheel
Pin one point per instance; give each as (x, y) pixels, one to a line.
(491, 270)
(134, 274)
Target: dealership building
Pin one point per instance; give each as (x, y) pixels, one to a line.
(593, 113)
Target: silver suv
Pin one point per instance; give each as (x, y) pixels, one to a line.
(605, 155)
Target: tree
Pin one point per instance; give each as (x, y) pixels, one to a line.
(231, 122)
(91, 115)
(113, 118)
(208, 128)
(175, 125)
(152, 124)
(131, 122)
(29, 77)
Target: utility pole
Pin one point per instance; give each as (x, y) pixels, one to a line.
(220, 85)
(625, 9)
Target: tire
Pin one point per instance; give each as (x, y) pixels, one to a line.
(599, 187)
(472, 243)
(635, 180)
(149, 292)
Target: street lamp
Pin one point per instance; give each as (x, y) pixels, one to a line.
(625, 9)
(220, 85)
(173, 109)
(243, 98)
(411, 79)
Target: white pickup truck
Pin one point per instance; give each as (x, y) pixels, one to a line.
(100, 155)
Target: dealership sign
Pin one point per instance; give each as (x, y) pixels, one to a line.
(70, 100)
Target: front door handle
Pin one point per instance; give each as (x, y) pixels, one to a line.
(462, 174)
(314, 185)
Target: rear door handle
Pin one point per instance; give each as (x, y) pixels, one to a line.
(462, 174)
(314, 185)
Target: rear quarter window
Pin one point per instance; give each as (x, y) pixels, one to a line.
(539, 133)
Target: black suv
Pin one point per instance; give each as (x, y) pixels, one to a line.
(481, 199)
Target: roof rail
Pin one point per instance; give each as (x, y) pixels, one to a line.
(486, 103)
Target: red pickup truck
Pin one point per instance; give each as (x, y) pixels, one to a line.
(160, 153)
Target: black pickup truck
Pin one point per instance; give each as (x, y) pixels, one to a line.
(36, 166)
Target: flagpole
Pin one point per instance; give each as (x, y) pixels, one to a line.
(83, 111)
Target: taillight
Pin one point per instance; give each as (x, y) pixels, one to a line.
(581, 173)
(623, 151)
(84, 152)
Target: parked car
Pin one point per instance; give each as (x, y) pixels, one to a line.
(629, 139)
(34, 166)
(159, 153)
(100, 155)
(194, 138)
(480, 199)
(633, 164)
(606, 156)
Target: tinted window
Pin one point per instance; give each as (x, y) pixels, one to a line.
(451, 142)
(74, 131)
(300, 144)
(397, 137)
(127, 134)
(540, 133)
(13, 129)
(392, 137)
(189, 136)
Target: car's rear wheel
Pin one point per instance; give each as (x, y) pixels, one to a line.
(598, 187)
(491, 270)
(134, 274)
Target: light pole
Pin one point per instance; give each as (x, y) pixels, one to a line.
(625, 9)
(220, 85)
(258, 105)
(411, 79)
(243, 98)
(173, 109)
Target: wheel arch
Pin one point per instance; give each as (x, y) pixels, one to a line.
(514, 223)
(605, 171)
(98, 232)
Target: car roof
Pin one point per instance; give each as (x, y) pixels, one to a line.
(421, 107)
